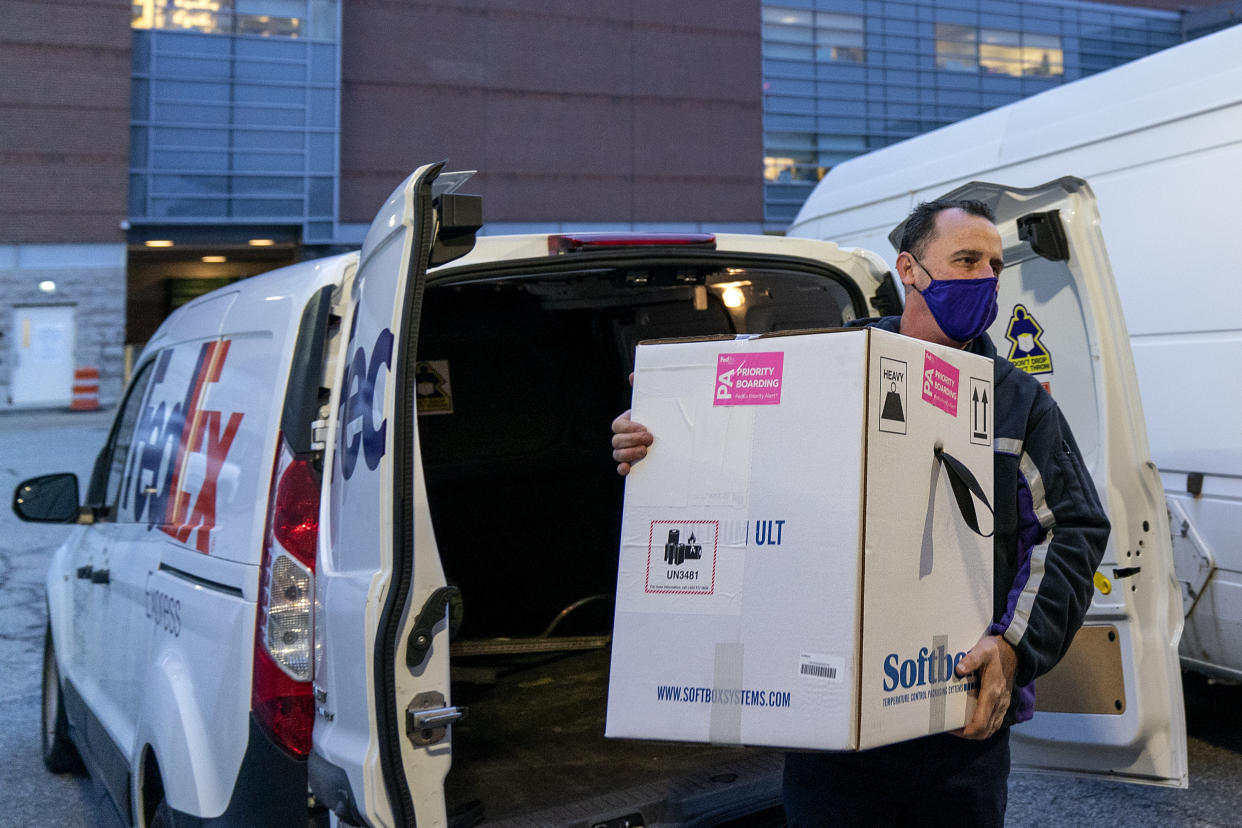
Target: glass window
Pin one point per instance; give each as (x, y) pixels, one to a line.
(956, 48)
(788, 166)
(322, 19)
(189, 160)
(792, 34)
(788, 51)
(137, 195)
(269, 93)
(1000, 51)
(263, 70)
(190, 137)
(319, 197)
(179, 90)
(268, 161)
(127, 422)
(269, 116)
(779, 15)
(266, 18)
(273, 208)
(839, 37)
(789, 140)
(267, 185)
(139, 99)
(1006, 52)
(190, 184)
(318, 231)
(1042, 55)
(207, 114)
(322, 152)
(268, 139)
(169, 66)
(189, 208)
(322, 108)
(138, 136)
(323, 64)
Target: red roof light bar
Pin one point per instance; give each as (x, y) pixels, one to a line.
(572, 242)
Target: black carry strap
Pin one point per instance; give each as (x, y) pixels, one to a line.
(964, 485)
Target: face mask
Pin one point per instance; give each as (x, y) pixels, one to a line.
(963, 308)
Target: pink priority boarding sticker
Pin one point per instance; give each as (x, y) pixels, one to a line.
(749, 378)
(940, 383)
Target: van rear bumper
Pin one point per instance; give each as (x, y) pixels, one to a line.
(271, 790)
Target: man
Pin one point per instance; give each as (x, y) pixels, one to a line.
(1049, 538)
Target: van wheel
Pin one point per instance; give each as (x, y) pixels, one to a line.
(59, 753)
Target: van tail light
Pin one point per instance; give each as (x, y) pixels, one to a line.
(571, 242)
(281, 694)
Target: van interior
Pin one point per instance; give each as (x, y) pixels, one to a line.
(519, 379)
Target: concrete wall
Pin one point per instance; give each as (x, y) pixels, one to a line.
(640, 111)
(91, 278)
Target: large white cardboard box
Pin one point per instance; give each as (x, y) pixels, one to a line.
(796, 570)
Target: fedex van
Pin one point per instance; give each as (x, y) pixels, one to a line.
(350, 550)
(1160, 142)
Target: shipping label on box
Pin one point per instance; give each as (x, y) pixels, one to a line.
(794, 571)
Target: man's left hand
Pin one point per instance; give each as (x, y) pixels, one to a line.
(996, 662)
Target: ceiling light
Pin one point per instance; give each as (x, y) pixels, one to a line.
(159, 243)
(214, 259)
(262, 242)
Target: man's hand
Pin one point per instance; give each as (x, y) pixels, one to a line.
(629, 440)
(996, 662)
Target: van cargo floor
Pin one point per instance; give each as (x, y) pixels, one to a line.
(533, 744)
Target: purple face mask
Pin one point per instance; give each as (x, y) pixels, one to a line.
(963, 308)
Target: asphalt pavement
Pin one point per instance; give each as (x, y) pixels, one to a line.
(41, 442)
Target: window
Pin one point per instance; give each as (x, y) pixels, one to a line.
(113, 460)
(957, 48)
(265, 18)
(801, 34)
(998, 51)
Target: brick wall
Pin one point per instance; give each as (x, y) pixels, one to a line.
(64, 120)
(643, 111)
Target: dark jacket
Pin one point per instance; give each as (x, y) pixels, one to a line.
(1050, 527)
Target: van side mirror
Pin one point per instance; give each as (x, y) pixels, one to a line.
(51, 498)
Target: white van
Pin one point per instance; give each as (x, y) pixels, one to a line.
(346, 501)
(1160, 141)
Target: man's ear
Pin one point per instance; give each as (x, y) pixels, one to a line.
(905, 269)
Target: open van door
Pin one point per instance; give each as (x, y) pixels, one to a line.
(381, 744)
(1113, 706)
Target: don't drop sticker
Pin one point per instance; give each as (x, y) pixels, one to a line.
(749, 379)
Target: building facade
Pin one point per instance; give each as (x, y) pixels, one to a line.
(842, 77)
(64, 149)
(157, 149)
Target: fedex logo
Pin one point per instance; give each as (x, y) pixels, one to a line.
(178, 443)
(363, 431)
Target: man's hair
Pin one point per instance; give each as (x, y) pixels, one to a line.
(920, 226)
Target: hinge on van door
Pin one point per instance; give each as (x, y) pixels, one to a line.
(427, 718)
(319, 435)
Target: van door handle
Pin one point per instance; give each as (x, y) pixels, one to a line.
(100, 576)
(84, 572)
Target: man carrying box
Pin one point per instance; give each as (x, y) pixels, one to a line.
(1049, 538)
